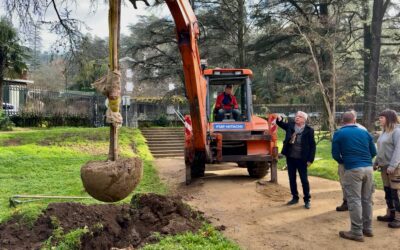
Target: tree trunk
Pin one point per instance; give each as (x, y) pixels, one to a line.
(320, 84)
(1, 92)
(327, 65)
(114, 21)
(378, 11)
(192, 2)
(2, 68)
(366, 54)
(366, 58)
(241, 29)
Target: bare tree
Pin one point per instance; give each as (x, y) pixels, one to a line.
(33, 12)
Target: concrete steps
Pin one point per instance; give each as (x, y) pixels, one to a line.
(165, 142)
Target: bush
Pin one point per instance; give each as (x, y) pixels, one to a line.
(162, 121)
(5, 123)
(41, 120)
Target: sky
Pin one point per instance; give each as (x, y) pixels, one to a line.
(97, 21)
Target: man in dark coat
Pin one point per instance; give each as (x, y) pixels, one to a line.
(299, 148)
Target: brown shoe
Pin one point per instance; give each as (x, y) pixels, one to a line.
(368, 233)
(351, 236)
(342, 207)
(394, 224)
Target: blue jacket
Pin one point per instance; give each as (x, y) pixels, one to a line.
(353, 147)
(308, 146)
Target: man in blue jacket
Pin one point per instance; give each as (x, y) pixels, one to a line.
(354, 147)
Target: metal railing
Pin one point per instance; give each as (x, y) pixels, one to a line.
(29, 102)
(19, 100)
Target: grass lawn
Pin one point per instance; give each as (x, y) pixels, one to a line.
(48, 162)
(206, 239)
(324, 166)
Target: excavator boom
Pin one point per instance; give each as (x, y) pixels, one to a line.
(187, 34)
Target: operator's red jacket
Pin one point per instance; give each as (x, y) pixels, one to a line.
(227, 106)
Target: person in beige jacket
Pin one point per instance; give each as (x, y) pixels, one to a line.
(388, 161)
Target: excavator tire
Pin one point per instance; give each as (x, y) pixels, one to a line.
(242, 164)
(258, 169)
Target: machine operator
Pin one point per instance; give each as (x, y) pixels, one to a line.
(226, 103)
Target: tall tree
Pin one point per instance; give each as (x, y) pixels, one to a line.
(378, 11)
(88, 64)
(153, 45)
(315, 23)
(228, 28)
(12, 54)
(35, 44)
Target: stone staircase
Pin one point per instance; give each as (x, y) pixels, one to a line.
(165, 142)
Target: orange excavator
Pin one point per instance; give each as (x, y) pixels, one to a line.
(250, 141)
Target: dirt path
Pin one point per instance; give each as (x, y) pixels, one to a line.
(255, 215)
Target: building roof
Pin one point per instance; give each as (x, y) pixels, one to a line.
(18, 81)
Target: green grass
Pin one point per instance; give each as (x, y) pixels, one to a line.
(206, 238)
(48, 162)
(324, 165)
(64, 241)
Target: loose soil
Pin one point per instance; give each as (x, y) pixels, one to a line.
(12, 142)
(110, 226)
(255, 216)
(111, 181)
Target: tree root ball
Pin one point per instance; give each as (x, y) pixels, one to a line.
(111, 181)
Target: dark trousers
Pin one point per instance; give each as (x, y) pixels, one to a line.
(294, 165)
(221, 114)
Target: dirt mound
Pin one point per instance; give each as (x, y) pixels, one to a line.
(111, 181)
(109, 225)
(273, 191)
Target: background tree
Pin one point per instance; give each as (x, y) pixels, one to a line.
(88, 64)
(225, 32)
(35, 45)
(371, 90)
(309, 38)
(12, 54)
(269, 37)
(152, 43)
(65, 26)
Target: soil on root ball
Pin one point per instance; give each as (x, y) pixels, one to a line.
(109, 225)
(111, 181)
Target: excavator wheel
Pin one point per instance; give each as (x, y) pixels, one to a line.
(242, 164)
(258, 169)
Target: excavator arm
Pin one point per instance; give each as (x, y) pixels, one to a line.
(187, 31)
(195, 84)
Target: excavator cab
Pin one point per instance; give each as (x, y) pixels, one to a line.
(216, 82)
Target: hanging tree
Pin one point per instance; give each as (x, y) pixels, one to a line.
(114, 179)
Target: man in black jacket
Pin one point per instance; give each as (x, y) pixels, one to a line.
(299, 148)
